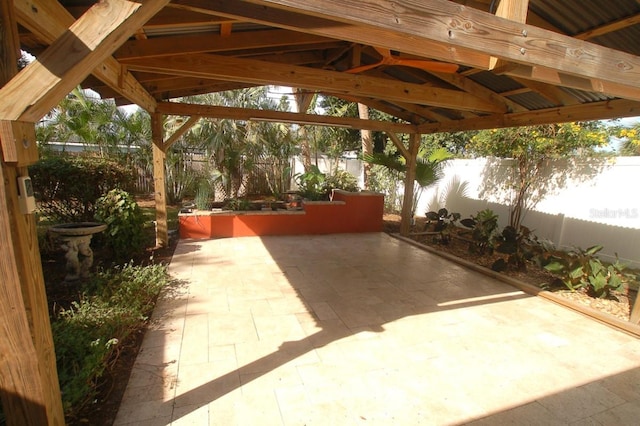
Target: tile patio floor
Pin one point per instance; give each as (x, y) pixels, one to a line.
(368, 330)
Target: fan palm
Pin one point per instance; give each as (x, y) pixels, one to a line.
(428, 168)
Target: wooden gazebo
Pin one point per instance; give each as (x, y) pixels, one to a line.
(436, 65)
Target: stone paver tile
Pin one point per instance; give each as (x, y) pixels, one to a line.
(625, 384)
(148, 411)
(265, 356)
(627, 414)
(584, 401)
(232, 328)
(532, 414)
(191, 415)
(278, 327)
(204, 383)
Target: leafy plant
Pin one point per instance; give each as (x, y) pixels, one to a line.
(238, 204)
(125, 222)
(341, 179)
(443, 223)
(516, 245)
(66, 188)
(90, 333)
(311, 183)
(580, 268)
(483, 230)
(203, 193)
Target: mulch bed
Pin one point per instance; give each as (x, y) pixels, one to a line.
(619, 305)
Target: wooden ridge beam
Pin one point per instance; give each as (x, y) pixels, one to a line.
(260, 72)
(457, 26)
(49, 20)
(247, 114)
(190, 44)
(69, 59)
(594, 111)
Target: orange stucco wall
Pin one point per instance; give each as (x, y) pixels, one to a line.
(347, 212)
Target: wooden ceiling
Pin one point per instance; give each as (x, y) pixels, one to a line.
(436, 65)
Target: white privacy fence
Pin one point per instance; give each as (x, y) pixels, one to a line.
(583, 204)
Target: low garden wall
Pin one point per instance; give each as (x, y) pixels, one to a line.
(347, 212)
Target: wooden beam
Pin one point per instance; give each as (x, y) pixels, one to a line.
(87, 43)
(245, 114)
(514, 10)
(190, 44)
(399, 145)
(29, 387)
(594, 111)
(181, 131)
(260, 72)
(456, 26)
(367, 35)
(610, 27)
(553, 77)
(159, 182)
(49, 20)
(406, 216)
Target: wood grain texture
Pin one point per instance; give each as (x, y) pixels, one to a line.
(594, 111)
(171, 108)
(28, 376)
(72, 56)
(461, 27)
(160, 192)
(260, 72)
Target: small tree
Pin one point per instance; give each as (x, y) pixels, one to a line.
(532, 150)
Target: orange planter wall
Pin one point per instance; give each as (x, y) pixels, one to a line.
(347, 212)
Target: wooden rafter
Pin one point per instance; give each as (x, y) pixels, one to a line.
(609, 28)
(246, 114)
(260, 72)
(190, 44)
(49, 20)
(69, 59)
(593, 111)
(445, 22)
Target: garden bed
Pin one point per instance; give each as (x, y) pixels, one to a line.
(347, 212)
(617, 307)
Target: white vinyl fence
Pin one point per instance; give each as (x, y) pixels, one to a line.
(584, 203)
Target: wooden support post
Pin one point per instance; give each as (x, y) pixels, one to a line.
(635, 312)
(367, 143)
(409, 182)
(157, 136)
(29, 386)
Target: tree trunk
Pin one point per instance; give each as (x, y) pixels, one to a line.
(367, 143)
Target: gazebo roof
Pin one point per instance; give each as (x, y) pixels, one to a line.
(442, 65)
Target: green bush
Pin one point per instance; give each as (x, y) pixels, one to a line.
(341, 179)
(125, 223)
(582, 269)
(484, 226)
(311, 184)
(67, 188)
(88, 336)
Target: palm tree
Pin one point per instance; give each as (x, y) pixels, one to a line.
(428, 168)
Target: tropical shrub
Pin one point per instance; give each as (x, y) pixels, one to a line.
(67, 188)
(89, 334)
(580, 268)
(517, 245)
(341, 179)
(125, 222)
(442, 222)
(484, 226)
(311, 184)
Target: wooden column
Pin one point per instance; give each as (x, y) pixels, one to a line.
(367, 143)
(407, 200)
(160, 192)
(29, 386)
